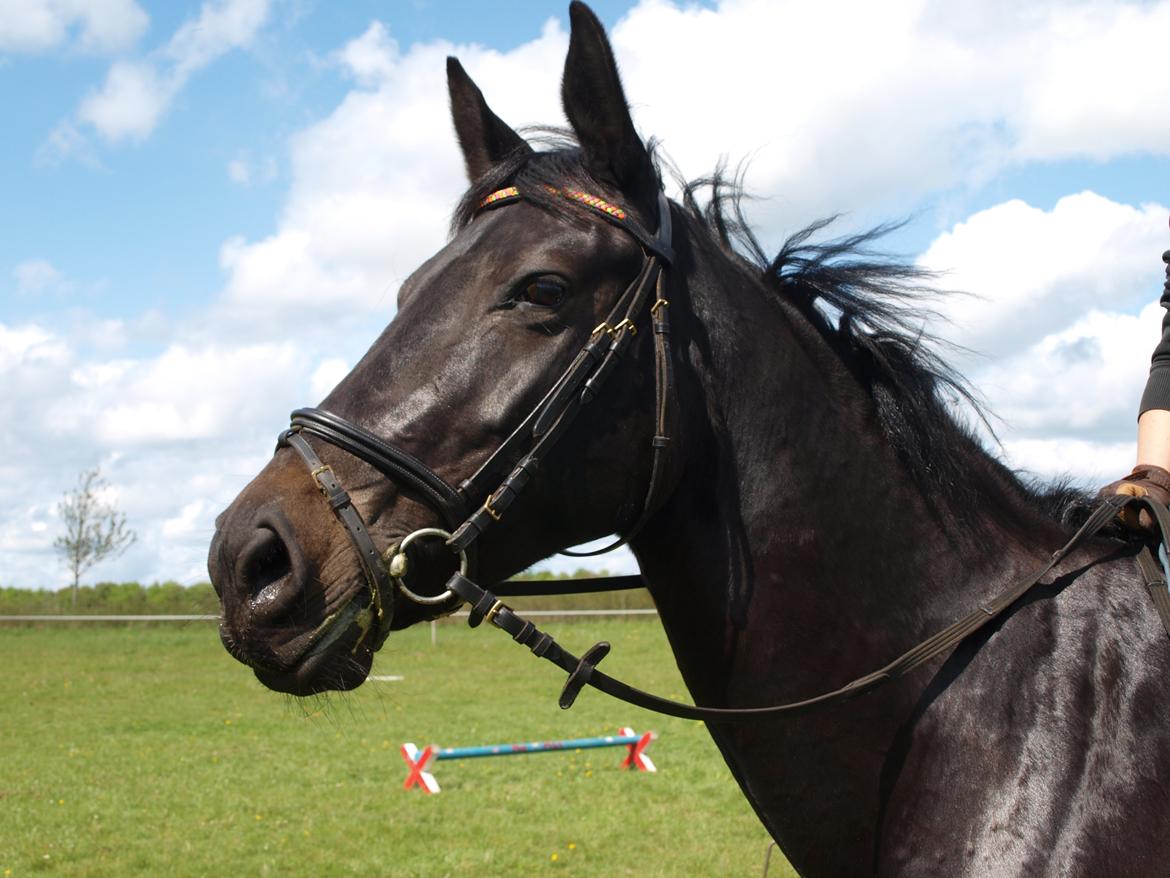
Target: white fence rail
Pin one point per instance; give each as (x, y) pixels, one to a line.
(176, 617)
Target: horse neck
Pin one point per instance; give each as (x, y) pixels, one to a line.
(793, 513)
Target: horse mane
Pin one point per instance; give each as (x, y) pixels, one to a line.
(869, 307)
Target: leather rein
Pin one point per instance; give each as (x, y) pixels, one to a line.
(577, 386)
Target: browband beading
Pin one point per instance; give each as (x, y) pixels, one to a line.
(612, 212)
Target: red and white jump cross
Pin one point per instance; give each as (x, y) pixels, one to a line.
(637, 757)
(419, 761)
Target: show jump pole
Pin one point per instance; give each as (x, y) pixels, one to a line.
(420, 761)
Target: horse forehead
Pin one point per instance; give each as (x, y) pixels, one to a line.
(521, 231)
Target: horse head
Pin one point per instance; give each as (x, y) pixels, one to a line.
(494, 349)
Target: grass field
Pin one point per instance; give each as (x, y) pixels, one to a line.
(148, 751)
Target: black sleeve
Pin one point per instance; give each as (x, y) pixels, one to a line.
(1157, 393)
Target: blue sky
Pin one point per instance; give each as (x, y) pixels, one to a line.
(140, 225)
(182, 184)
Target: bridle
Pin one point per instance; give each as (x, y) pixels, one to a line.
(576, 387)
(470, 509)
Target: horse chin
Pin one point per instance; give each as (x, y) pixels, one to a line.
(341, 664)
(336, 655)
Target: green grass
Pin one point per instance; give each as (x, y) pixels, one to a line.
(148, 751)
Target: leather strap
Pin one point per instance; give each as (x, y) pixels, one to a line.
(1155, 582)
(377, 578)
(394, 463)
(548, 587)
(664, 392)
(576, 388)
(583, 671)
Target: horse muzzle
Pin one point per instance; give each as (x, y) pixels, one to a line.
(302, 631)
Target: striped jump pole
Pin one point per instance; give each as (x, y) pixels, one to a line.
(420, 761)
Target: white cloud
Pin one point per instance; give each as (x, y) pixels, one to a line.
(371, 58)
(239, 172)
(373, 185)
(26, 347)
(222, 25)
(64, 142)
(1091, 463)
(246, 172)
(1064, 324)
(327, 376)
(137, 93)
(129, 103)
(188, 394)
(177, 434)
(1085, 380)
(33, 26)
(1036, 271)
(189, 519)
(35, 276)
(1096, 81)
(911, 98)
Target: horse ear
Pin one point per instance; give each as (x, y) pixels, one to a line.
(596, 107)
(483, 136)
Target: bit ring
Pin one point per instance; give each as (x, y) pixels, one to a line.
(396, 561)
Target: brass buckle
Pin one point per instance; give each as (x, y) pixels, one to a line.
(626, 323)
(658, 304)
(602, 327)
(316, 472)
(496, 607)
(487, 507)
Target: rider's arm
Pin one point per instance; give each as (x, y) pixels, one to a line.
(1151, 476)
(1153, 442)
(1153, 445)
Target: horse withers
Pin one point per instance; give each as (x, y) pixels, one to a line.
(801, 503)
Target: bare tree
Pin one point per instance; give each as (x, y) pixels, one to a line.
(94, 530)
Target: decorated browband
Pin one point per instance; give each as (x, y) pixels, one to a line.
(659, 246)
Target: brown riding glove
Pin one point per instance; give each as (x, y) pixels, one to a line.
(1145, 481)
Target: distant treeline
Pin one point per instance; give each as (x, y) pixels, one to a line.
(112, 598)
(167, 598)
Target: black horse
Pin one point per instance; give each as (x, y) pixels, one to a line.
(816, 511)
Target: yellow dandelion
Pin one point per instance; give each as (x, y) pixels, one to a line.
(554, 858)
(572, 846)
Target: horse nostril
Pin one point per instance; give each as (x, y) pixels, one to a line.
(265, 562)
(264, 573)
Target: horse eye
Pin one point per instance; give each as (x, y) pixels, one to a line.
(543, 291)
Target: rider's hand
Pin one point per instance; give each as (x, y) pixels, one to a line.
(1146, 480)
